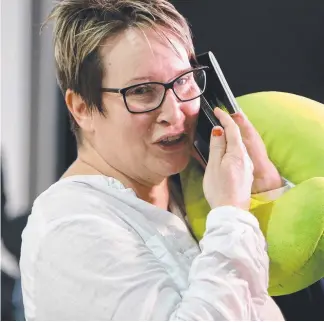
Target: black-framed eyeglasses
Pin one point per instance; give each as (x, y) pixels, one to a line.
(149, 96)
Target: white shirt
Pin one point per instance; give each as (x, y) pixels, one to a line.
(92, 250)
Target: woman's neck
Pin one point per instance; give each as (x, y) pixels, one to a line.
(156, 194)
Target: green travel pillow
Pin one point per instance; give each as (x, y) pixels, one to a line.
(292, 128)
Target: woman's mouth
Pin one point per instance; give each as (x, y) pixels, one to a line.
(172, 139)
(173, 142)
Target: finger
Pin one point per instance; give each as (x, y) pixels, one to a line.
(232, 132)
(251, 137)
(248, 161)
(246, 127)
(217, 145)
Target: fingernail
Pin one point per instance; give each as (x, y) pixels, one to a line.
(237, 115)
(217, 131)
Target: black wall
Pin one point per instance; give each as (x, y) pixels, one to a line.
(262, 45)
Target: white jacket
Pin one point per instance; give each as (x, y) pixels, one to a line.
(93, 251)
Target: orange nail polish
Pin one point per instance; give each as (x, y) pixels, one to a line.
(217, 132)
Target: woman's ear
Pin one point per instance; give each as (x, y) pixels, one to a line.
(79, 110)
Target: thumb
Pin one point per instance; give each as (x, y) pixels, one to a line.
(217, 145)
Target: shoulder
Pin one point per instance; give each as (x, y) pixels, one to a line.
(81, 195)
(73, 229)
(73, 215)
(76, 207)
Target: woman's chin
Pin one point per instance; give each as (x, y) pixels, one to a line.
(176, 164)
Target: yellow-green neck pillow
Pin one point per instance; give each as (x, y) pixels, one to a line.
(292, 128)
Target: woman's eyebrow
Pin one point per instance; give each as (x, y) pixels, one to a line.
(183, 71)
(141, 79)
(150, 78)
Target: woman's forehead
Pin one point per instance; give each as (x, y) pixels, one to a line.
(139, 53)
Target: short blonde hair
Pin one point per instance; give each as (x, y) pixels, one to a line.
(81, 26)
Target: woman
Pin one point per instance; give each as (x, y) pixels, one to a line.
(108, 241)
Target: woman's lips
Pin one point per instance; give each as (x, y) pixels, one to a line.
(174, 145)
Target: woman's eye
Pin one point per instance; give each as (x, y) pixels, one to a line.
(183, 80)
(140, 90)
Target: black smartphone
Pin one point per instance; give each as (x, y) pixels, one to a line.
(217, 93)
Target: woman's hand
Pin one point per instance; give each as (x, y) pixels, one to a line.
(266, 176)
(229, 173)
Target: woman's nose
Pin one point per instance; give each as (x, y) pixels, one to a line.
(172, 110)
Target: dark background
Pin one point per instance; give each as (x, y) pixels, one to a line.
(262, 45)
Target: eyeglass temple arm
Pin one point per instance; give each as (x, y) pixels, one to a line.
(110, 90)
